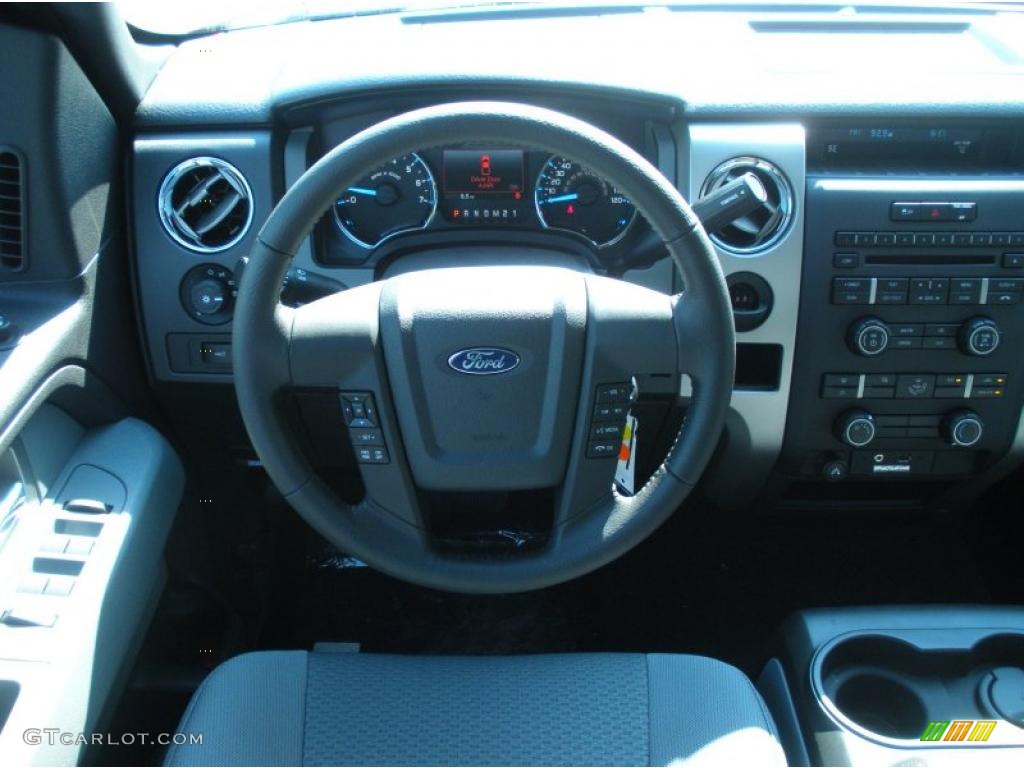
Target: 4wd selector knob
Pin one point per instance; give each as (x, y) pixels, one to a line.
(856, 428)
(979, 336)
(963, 428)
(869, 336)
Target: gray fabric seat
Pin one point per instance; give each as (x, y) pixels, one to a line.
(298, 708)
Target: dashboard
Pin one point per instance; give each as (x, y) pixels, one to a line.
(877, 294)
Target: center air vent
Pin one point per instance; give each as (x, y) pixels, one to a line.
(12, 210)
(205, 204)
(764, 227)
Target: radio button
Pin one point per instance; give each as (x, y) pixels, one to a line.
(941, 329)
(864, 238)
(851, 284)
(893, 283)
(907, 342)
(944, 238)
(962, 238)
(845, 238)
(869, 336)
(939, 342)
(924, 238)
(1000, 238)
(964, 211)
(981, 238)
(851, 297)
(1013, 260)
(904, 238)
(906, 212)
(1006, 284)
(1004, 299)
(845, 260)
(885, 238)
(1017, 238)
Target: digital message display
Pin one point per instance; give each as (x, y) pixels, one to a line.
(483, 172)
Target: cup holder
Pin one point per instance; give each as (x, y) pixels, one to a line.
(888, 686)
(882, 705)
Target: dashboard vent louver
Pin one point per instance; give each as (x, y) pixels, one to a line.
(12, 210)
(763, 228)
(205, 204)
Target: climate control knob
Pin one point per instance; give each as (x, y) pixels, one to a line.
(869, 336)
(979, 336)
(856, 428)
(963, 428)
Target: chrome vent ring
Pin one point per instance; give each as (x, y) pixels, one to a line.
(757, 232)
(205, 204)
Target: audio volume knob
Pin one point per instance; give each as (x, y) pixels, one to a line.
(963, 428)
(869, 336)
(979, 336)
(856, 428)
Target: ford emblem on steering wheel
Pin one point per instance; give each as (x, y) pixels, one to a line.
(483, 361)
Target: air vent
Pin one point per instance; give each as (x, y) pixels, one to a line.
(205, 204)
(12, 210)
(763, 228)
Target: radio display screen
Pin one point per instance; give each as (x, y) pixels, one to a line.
(483, 171)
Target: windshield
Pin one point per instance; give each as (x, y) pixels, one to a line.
(190, 17)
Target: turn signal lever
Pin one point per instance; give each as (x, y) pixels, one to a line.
(300, 286)
(741, 196)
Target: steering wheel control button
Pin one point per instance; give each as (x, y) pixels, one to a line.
(869, 336)
(359, 409)
(615, 393)
(208, 293)
(606, 432)
(979, 337)
(603, 450)
(366, 436)
(856, 428)
(610, 412)
(372, 455)
(360, 412)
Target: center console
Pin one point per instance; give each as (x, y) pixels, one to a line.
(900, 685)
(908, 359)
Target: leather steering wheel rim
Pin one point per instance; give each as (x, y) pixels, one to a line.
(263, 328)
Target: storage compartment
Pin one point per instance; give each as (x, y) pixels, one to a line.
(8, 695)
(893, 686)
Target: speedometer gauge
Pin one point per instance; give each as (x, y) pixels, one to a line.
(399, 196)
(572, 197)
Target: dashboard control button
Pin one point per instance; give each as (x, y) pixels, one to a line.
(835, 470)
(215, 354)
(961, 238)
(839, 393)
(880, 380)
(979, 336)
(851, 297)
(845, 260)
(864, 238)
(892, 420)
(906, 329)
(938, 342)
(904, 238)
(906, 212)
(366, 436)
(891, 297)
(990, 379)
(845, 238)
(963, 429)
(951, 380)
(1000, 238)
(856, 428)
(1006, 284)
(981, 238)
(907, 343)
(869, 336)
(924, 238)
(879, 393)
(208, 293)
(987, 392)
(1013, 260)
(914, 386)
(1004, 299)
(943, 238)
(893, 283)
(941, 329)
(842, 379)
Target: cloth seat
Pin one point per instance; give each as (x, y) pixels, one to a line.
(299, 708)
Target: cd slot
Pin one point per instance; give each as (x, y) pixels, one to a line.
(926, 259)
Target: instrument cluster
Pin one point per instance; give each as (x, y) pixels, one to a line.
(492, 187)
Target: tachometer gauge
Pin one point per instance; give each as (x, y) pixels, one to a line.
(572, 197)
(400, 196)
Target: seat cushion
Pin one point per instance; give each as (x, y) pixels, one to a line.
(298, 708)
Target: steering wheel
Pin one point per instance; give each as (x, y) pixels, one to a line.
(577, 337)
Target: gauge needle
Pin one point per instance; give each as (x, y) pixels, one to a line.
(563, 198)
(363, 191)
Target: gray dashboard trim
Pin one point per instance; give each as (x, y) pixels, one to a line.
(757, 419)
